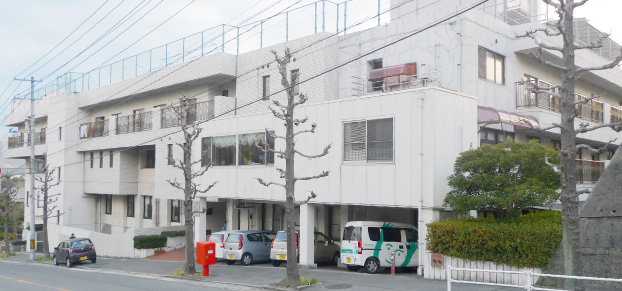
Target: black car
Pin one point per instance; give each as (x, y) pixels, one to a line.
(73, 251)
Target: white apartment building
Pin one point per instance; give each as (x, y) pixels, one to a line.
(394, 137)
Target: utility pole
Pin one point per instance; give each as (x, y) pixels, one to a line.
(31, 132)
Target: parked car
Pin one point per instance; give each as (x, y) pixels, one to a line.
(369, 244)
(219, 238)
(73, 251)
(248, 246)
(325, 250)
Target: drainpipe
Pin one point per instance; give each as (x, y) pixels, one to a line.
(420, 206)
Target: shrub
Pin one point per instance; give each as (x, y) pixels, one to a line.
(174, 233)
(178, 272)
(149, 241)
(307, 281)
(11, 236)
(18, 243)
(528, 241)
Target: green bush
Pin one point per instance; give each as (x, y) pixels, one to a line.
(174, 233)
(528, 241)
(11, 236)
(149, 241)
(18, 243)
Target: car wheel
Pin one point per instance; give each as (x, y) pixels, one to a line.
(276, 263)
(93, 260)
(353, 268)
(230, 262)
(68, 263)
(247, 259)
(372, 265)
(335, 259)
(55, 261)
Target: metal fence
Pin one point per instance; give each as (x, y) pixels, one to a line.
(529, 278)
(196, 112)
(23, 139)
(134, 123)
(362, 86)
(94, 129)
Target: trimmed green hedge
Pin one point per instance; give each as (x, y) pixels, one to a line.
(173, 233)
(18, 243)
(11, 236)
(528, 241)
(149, 241)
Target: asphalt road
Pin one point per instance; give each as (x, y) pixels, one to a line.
(31, 276)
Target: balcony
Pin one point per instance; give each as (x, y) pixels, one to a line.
(589, 171)
(592, 110)
(615, 114)
(388, 82)
(134, 123)
(197, 112)
(17, 141)
(94, 129)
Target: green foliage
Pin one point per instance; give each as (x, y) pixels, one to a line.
(178, 272)
(43, 259)
(149, 241)
(174, 233)
(528, 241)
(307, 281)
(505, 177)
(11, 236)
(6, 255)
(18, 243)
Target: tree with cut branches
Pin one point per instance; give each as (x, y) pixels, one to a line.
(285, 112)
(47, 182)
(191, 132)
(570, 109)
(7, 204)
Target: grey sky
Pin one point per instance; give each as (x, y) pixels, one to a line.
(30, 28)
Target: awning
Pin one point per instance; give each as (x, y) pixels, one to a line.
(488, 115)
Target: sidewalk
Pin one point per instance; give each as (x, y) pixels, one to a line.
(264, 275)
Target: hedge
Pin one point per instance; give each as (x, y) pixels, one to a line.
(149, 241)
(528, 241)
(18, 243)
(173, 233)
(11, 236)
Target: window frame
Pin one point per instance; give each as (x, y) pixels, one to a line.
(366, 143)
(111, 159)
(149, 163)
(108, 203)
(147, 206)
(130, 211)
(495, 57)
(265, 85)
(169, 154)
(269, 156)
(295, 84)
(101, 159)
(175, 210)
(92, 158)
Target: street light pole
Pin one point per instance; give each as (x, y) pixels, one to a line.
(31, 133)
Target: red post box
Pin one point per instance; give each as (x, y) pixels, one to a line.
(206, 255)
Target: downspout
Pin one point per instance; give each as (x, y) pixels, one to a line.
(420, 206)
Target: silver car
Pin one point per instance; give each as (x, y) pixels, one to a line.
(248, 246)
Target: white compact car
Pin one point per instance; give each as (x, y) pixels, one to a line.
(325, 250)
(219, 238)
(369, 244)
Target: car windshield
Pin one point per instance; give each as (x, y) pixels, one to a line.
(81, 244)
(234, 238)
(352, 233)
(281, 236)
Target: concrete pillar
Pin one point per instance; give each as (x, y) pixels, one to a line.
(232, 215)
(200, 222)
(307, 226)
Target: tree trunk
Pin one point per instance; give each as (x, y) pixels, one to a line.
(569, 198)
(7, 245)
(46, 246)
(190, 261)
(293, 276)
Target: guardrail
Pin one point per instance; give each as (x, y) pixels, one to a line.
(530, 278)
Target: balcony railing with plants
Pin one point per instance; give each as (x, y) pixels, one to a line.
(94, 129)
(22, 139)
(134, 123)
(589, 171)
(196, 112)
(592, 110)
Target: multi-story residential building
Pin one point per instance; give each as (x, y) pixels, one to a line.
(396, 116)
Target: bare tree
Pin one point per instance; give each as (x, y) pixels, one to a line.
(191, 132)
(285, 112)
(7, 204)
(49, 202)
(570, 109)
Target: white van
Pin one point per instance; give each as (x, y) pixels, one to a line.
(369, 244)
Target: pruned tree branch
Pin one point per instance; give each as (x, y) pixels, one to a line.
(264, 183)
(585, 127)
(323, 153)
(312, 195)
(554, 125)
(321, 175)
(551, 165)
(606, 66)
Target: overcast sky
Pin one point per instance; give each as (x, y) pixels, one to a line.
(29, 29)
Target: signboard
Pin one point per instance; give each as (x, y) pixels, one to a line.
(437, 260)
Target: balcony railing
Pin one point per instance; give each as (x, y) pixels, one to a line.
(615, 114)
(361, 86)
(196, 112)
(134, 123)
(589, 171)
(94, 129)
(592, 110)
(22, 139)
